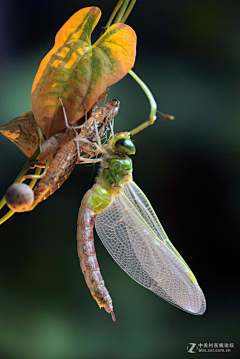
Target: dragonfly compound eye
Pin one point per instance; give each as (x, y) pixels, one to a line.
(125, 145)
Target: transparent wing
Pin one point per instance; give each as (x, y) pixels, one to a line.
(131, 232)
(143, 206)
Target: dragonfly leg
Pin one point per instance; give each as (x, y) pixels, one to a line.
(89, 160)
(78, 150)
(105, 97)
(74, 128)
(85, 113)
(69, 126)
(82, 159)
(111, 125)
(98, 145)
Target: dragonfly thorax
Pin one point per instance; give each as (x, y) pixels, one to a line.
(116, 170)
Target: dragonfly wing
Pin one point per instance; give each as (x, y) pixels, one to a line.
(143, 206)
(134, 244)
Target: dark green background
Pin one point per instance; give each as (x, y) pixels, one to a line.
(189, 55)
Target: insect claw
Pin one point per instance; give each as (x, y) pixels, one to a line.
(113, 316)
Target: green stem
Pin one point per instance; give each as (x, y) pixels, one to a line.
(8, 215)
(41, 136)
(23, 172)
(121, 12)
(34, 180)
(128, 11)
(27, 165)
(36, 176)
(115, 10)
(152, 115)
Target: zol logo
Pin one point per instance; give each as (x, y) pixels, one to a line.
(191, 348)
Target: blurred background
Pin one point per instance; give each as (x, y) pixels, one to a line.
(189, 56)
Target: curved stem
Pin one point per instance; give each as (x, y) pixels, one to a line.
(115, 10)
(128, 11)
(8, 215)
(34, 180)
(36, 176)
(2, 202)
(121, 12)
(153, 104)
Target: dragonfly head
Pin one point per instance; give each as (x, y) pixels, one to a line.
(122, 143)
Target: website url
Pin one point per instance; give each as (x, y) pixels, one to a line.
(214, 350)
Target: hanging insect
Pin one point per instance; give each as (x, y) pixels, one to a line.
(131, 232)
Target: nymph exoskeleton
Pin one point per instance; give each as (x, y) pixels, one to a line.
(69, 154)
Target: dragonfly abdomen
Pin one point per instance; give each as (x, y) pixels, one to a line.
(86, 248)
(116, 169)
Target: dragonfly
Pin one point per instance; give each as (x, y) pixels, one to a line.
(130, 230)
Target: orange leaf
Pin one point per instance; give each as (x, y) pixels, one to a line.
(78, 71)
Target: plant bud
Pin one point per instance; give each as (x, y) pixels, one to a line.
(19, 197)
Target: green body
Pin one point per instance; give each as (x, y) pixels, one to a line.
(116, 170)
